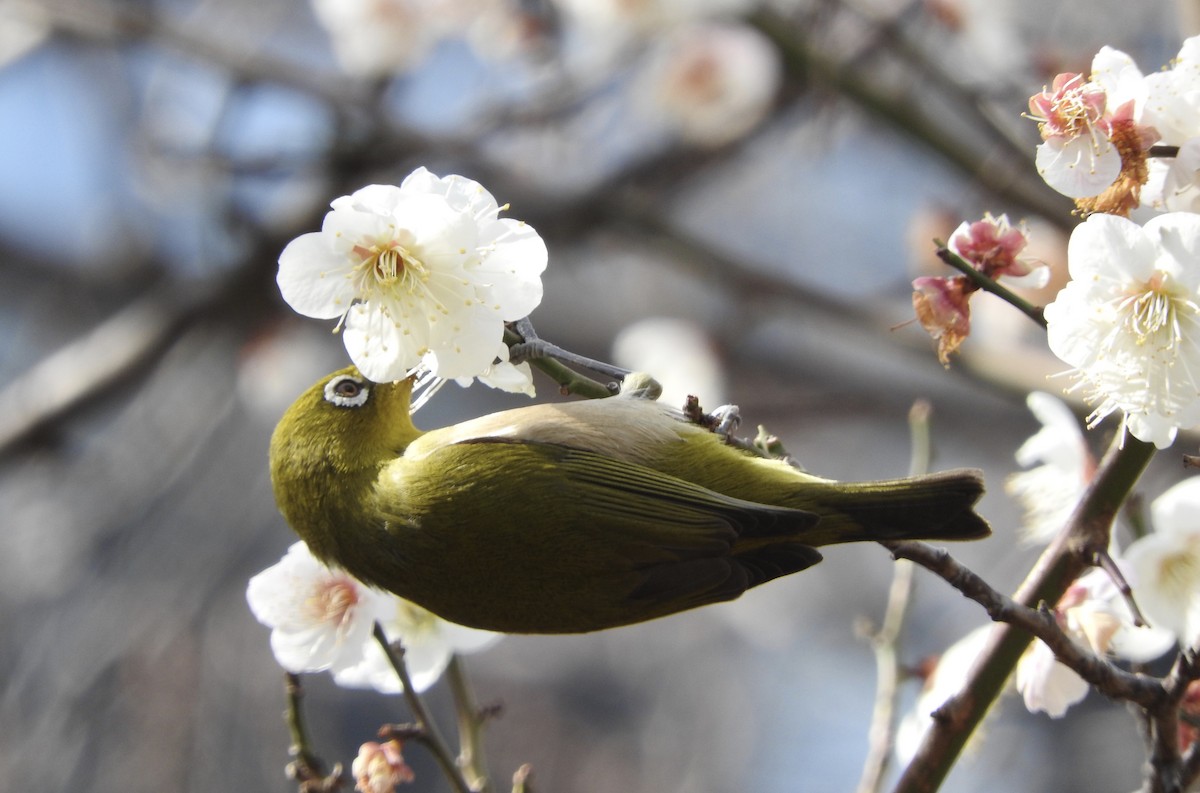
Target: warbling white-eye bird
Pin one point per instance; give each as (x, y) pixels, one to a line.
(571, 517)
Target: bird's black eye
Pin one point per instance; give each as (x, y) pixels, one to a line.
(347, 392)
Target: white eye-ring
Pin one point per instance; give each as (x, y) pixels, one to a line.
(347, 392)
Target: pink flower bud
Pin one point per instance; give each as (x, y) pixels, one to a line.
(379, 768)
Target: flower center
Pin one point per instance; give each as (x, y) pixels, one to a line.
(386, 269)
(1070, 109)
(1150, 313)
(385, 266)
(334, 601)
(1178, 571)
(389, 266)
(1153, 314)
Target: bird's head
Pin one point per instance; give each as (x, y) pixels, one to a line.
(347, 422)
(327, 451)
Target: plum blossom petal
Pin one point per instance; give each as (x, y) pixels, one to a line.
(1078, 167)
(1045, 684)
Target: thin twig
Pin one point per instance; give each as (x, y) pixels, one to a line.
(306, 768)
(569, 381)
(1103, 559)
(427, 733)
(989, 284)
(471, 718)
(1166, 770)
(1107, 678)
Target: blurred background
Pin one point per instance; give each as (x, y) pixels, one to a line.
(735, 196)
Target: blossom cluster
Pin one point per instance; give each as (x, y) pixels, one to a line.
(1098, 130)
(1160, 567)
(992, 246)
(1127, 325)
(1126, 146)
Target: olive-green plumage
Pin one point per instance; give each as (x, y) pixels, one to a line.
(570, 517)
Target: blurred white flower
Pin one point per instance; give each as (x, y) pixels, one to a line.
(320, 619)
(23, 26)
(679, 354)
(1049, 491)
(711, 82)
(1098, 614)
(1166, 563)
(989, 40)
(949, 677)
(1173, 109)
(429, 643)
(424, 274)
(374, 38)
(1129, 321)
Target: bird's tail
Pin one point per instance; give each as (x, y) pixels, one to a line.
(932, 507)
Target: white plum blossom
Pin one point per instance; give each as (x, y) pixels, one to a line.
(1050, 490)
(1128, 323)
(1101, 127)
(381, 37)
(420, 275)
(1166, 563)
(429, 643)
(711, 82)
(320, 619)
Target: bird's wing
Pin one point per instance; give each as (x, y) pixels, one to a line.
(633, 492)
(691, 544)
(663, 508)
(638, 542)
